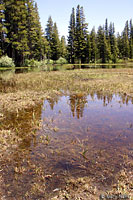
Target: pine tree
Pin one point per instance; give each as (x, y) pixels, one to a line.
(107, 52)
(88, 49)
(63, 48)
(80, 35)
(16, 20)
(106, 29)
(120, 46)
(113, 43)
(40, 42)
(49, 29)
(115, 51)
(100, 43)
(36, 41)
(103, 49)
(71, 38)
(131, 40)
(2, 28)
(125, 39)
(52, 36)
(31, 28)
(45, 46)
(49, 32)
(111, 37)
(86, 38)
(55, 44)
(107, 40)
(93, 45)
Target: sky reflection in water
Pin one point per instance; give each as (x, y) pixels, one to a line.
(81, 127)
(95, 114)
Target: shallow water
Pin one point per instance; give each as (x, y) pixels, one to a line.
(89, 134)
(80, 136)
(99, 117)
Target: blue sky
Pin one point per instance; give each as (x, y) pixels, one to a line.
(96, 11)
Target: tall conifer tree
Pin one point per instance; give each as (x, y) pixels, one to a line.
(80, 35)
(55, 46)
(16, 20)
(36, 41)
(125, 40)
(106, 29)
(88, 49)
(2, 28)
(49, 33)
(93, 45)
(120, 46)
(100, 43)
(113, 42)
(39, 51)
(71, 38)
(103, 49)
(63, 48)
(131, 39)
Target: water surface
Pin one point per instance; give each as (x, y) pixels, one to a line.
(89, 134)
(81, 135)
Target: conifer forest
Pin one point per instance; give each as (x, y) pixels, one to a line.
(22, 37)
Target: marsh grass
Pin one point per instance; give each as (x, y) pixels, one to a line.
(7, 81)
(111, 80)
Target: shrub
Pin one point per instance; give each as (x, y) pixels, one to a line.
(5, 61)
(61, 61)
(35, 65)
(48, 61)
(32, 63)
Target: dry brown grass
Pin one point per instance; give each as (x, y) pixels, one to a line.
(110, 80)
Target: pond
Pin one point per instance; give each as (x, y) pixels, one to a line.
(81, 135)
(87, 134)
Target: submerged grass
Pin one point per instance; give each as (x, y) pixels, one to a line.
(20, 99)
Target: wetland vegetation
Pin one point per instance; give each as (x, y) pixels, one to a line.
(66, 135)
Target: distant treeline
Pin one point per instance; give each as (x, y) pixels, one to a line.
(22, 37)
